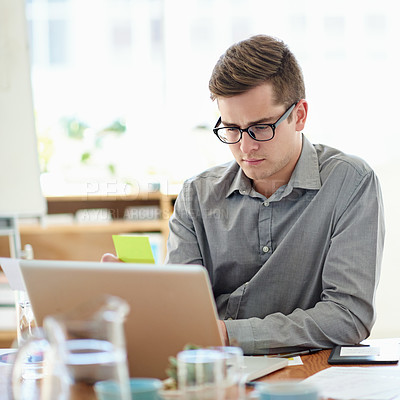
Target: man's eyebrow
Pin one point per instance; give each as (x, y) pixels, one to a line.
(265, 120)
(227, 123)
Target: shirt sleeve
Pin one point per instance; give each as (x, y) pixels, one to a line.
(182, 245)
(345, 313)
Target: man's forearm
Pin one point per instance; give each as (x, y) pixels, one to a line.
(224, 333)
(322, 326)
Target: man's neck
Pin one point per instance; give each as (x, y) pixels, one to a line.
(270, 185)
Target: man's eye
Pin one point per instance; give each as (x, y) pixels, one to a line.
(260, 128)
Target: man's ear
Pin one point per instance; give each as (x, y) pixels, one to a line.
(301, 111)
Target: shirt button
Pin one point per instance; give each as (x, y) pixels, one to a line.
(266, 203)
(265, 249)
(242, 191)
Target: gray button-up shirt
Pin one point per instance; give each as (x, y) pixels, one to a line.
(299, 268)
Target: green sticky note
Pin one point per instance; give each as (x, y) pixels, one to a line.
(133, 249)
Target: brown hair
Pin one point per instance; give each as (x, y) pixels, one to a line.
(255, 61)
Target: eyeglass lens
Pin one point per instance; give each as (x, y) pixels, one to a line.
(258, 132)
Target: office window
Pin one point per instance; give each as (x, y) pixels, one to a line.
(375, 24)
(122, 35)
(202, 33)
(240, 28)
(298, 22)
(137, 61)
(335, 26)
(335, 36)
(58, 42)
(375, 28)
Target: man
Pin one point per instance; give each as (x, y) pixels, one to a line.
(290, 233)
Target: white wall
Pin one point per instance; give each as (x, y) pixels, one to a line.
(388, 296)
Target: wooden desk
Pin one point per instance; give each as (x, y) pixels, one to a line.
(311, 364)
(7, 338)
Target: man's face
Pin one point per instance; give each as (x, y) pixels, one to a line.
(270, 162)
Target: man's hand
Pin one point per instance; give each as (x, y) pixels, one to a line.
(108, 257)
(224, 332)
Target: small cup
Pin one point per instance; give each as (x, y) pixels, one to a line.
(233, 386)
(141, 389)
(287, 390)
(200, 374)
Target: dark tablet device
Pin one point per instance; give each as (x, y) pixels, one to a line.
(363, 354)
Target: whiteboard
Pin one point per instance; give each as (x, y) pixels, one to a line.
(20, 191)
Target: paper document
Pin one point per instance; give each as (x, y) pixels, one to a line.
(361, 383)
(295, 361)
(359, 351)
(133, 249)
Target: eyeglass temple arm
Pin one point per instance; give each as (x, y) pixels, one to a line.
(218, 122)
(284, 116)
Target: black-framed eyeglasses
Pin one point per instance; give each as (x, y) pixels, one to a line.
(259, 132)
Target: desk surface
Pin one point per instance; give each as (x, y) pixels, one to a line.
(311, 364)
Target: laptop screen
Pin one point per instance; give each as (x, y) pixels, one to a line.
(170, 305)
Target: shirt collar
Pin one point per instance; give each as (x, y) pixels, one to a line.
(240, 183)
(304, 176)
(306, 172)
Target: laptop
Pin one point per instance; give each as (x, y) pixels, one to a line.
(170, 306)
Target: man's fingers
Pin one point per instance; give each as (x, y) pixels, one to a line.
(108, 257)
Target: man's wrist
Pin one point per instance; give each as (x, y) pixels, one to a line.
(224, 332)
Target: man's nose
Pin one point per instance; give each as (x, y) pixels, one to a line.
(248, 144)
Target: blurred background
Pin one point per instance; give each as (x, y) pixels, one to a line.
(121, 95)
